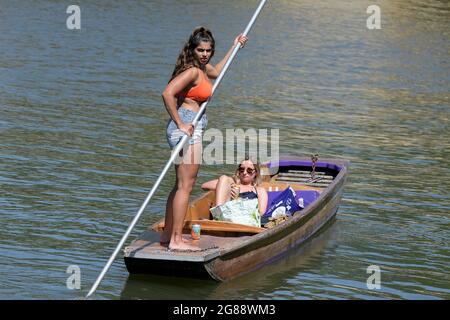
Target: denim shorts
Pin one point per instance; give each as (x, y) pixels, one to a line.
(174, 135)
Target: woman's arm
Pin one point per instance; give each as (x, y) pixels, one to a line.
(262, 200)
(210, 185)
(214, 71)
(178, 84)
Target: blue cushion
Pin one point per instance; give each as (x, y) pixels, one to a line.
(284, 203)
(308, 196)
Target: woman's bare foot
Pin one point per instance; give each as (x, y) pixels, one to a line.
(183, 246)
(164, 240)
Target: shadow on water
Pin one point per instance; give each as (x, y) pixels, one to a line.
(279, 272)
(259, 281)
(140, 286)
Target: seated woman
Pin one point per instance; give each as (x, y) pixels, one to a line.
(244, 184)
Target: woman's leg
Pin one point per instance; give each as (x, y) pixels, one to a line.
(186, 176)
(223, 190)
(168, 221)
(165, 236)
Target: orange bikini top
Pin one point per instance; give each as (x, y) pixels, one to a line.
(200, 92)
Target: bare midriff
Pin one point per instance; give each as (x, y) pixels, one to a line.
(189, 104)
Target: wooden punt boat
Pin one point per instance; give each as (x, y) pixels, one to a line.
(232, 249)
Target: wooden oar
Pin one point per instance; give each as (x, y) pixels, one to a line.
(175, 153)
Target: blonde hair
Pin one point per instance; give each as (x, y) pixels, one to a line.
(256, 180)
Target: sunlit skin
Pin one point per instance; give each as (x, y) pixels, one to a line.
(186, 172)
(225, 191)
(203, 54)
(192, 77)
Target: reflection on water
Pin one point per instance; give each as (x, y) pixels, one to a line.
(259, 283)
(166, 288)
(82, 138)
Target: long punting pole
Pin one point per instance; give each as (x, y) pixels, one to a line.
(174, 155)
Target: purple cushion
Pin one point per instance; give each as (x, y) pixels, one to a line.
(308, 196)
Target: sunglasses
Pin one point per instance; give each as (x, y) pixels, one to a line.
(249, 170)
(203, 50)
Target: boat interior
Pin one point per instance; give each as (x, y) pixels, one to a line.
(307, 187)
(219, 236)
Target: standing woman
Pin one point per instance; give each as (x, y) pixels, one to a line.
(188, 88)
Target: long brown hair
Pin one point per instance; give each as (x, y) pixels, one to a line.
(187, 58)
(256, 179)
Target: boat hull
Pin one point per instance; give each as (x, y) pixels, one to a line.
(167, 268)
(249, 252)
(258, 254)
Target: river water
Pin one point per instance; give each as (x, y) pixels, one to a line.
(82, 139)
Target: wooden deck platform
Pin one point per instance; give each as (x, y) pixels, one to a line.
(147, 246)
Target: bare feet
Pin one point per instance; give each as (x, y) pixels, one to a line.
(183, 246)
(164, 240)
